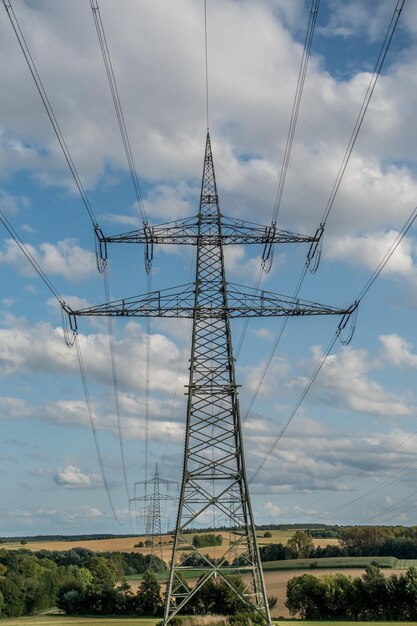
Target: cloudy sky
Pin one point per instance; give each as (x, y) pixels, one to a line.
(349, 454)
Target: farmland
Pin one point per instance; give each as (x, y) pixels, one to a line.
(126, 544)
(276, 582)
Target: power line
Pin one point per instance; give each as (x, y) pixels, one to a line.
(118, 106)
(314, 253)
(364, 107)
(268, 252)
(48, 108)
(206, 64)
(115, 383)
(296, 105)
(364, 291)
(29, 256)
(64, 309)
(93, 428)
(363, 472)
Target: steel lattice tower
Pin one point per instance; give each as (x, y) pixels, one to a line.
(152, 513)
(214, 467)
(214, 483)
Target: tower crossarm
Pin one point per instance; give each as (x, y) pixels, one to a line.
(186, 232)
(250, 302)
(179, 302)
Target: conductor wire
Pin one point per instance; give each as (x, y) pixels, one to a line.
(94, 429)
(48, 108)
(206, 64)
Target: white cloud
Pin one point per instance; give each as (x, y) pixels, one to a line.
(66, 259)
(263, 333)
(71, 477)
(41, 348)
(273, 510)
(11, 204)
(368, 250)
(248, 139)
(352, 18)
(398, 351)
(276, 376)
(344, 381)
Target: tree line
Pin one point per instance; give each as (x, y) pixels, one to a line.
(371, 597)
(395, 541)
(32, 582)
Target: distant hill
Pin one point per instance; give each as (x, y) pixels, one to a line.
(34, 538)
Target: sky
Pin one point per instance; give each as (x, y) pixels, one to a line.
(349, 454)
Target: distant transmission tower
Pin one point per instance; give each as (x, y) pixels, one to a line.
(214, 465)
(152, 507)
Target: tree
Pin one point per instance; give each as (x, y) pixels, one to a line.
(374, 599)
(364, 540)
(70, 598)
(336, 591)
(300, 545)
(410, 587)
(303, 597)
(103, 574)
(149, 595)
(12, 589)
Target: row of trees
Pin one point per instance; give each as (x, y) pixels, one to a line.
(30, 583)
(399, 542)
(101, 596)
(336, 596)
(207, 539)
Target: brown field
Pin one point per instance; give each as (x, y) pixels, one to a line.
(164, 551)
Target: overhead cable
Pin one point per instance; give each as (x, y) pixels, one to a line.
(48, 107)
(24, 248)
(314, 252)
(94, 429)
(268, 252)
(364, 107)
(118, 106)
(206, 64)
(115, 384)
(46, 280)
(296, 106)
(366, 469)
(364, 291)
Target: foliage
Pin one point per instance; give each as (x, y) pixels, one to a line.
(267, 535)
(77, 581)
(149, 595)
(207, 539)
(300, 545)
(371, 597)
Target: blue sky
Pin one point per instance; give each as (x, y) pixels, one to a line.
(349, 454)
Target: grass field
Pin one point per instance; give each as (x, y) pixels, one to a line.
(345, 562)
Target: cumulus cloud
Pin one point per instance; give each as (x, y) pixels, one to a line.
(248, 139)
(369, 250)
(10, 204)
(398, 351)
(66, 259)
(328, 462)
(71, 477)
(41, 348)
(344, 381)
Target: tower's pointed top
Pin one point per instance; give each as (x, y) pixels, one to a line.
(208, 198)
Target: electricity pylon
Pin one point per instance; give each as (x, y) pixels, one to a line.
(214, 481)
(152, 511)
